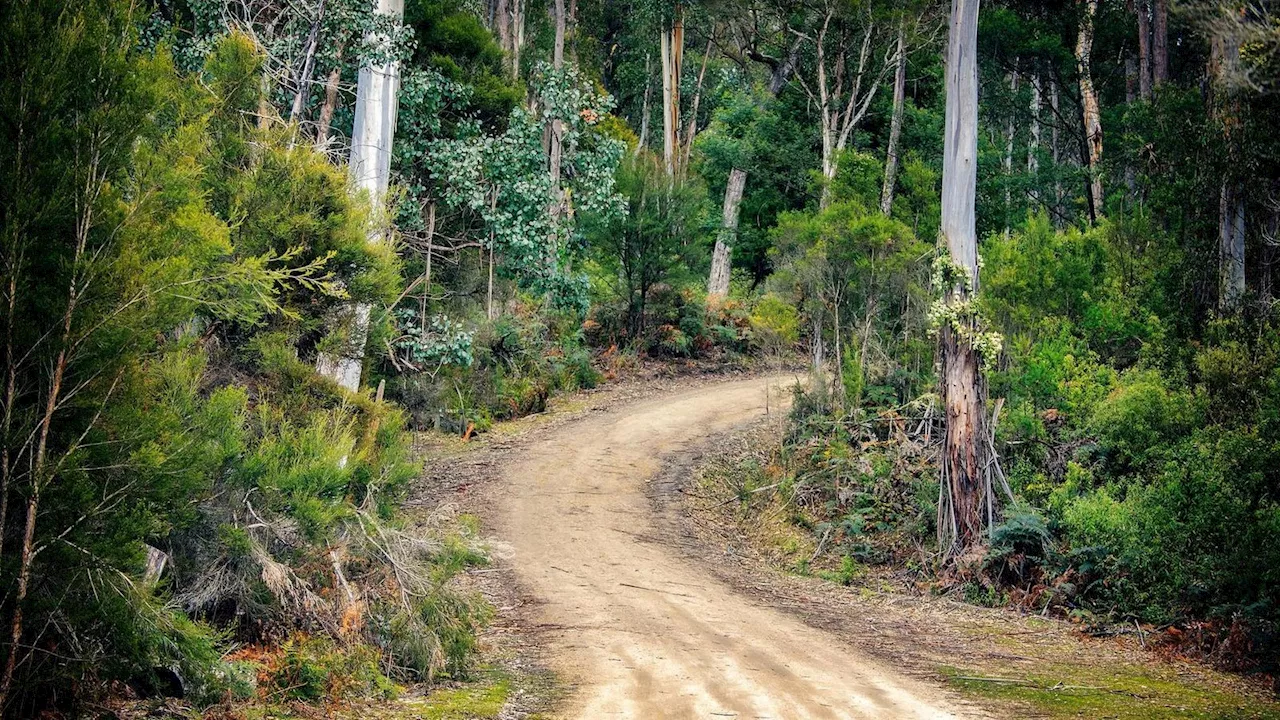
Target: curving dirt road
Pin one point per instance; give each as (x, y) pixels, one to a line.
(643, 631)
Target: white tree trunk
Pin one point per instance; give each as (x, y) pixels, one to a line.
(1223, 59)
(964, 490)
(1089, 100)
(668, 125)
(718, 283)
(370, 171)
(1054, 155)
(1033, 145)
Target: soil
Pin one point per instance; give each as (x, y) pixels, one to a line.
(638, 627)
(621, 591)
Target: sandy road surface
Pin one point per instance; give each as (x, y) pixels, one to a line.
(643, 631)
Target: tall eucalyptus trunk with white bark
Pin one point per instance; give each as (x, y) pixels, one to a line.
(1033, 143)
(1089, 103)
(370, 172)
(965, 489)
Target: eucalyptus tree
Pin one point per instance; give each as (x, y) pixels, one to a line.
(966, 347)
(1089, 104)
(854, 52)
(506, 180)
(369, 166)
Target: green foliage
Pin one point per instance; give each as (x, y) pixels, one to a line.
(635, 252)
(172, 268)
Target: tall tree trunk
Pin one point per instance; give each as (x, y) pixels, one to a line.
(1033, 144)
(1011, 129)
(1089, 100)
(502, 22)
(1160, 43)
(964, 455)
(1270, 246)
(1142, 8)
(672, 48)
(517, 35)
(370, 171)
(644, 108)
(1224, 58)
(1231, 229)
(1055, 155)
(718, 283)
(895, 124)
(556, 127)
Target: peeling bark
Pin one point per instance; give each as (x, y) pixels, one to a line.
(331, 87)
(672, 49)
(964, 455)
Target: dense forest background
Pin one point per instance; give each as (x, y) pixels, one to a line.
(575, 188)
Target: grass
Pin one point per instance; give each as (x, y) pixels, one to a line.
(479, 702)
(1116, 691)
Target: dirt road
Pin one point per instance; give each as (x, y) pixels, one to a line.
(644, 632)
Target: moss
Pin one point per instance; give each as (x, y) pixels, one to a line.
(483, 699)
(1114, 691)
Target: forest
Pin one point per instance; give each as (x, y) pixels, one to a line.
(1022, 257)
